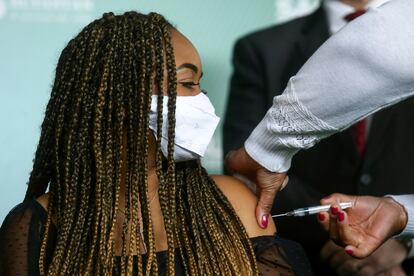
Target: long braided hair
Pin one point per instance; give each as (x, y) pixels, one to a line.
(95, 135)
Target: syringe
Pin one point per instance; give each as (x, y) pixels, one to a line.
(313, 210)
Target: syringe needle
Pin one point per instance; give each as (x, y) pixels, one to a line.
(279, 215)
(288, 214)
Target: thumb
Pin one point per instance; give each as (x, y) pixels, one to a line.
(359, 252)
(267, 193)
(264, 206)
(267, 183)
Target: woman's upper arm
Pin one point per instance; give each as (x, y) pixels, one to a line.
(244, 202)
(14, 240)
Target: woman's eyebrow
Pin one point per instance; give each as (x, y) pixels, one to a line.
(188, 66)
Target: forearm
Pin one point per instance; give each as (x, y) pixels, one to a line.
(365, 67)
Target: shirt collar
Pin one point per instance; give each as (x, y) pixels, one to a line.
(336, 10)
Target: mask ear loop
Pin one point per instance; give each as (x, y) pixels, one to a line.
(143, 247)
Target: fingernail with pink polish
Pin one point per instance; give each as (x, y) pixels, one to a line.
(350, 252)
(341, 216)
(321, 217)
(265, 220)
(334, 210)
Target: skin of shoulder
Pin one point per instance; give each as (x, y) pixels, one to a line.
(43, 200)
(244, 202)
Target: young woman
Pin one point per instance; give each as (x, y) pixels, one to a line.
(117, 186)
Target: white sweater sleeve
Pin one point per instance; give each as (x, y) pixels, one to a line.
(408, 202)
(366, 66)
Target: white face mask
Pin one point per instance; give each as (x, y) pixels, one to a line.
(195, 123)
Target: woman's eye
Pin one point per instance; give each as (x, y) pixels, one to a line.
(189, 84)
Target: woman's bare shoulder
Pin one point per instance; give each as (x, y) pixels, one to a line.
(244, 201)
(43, 200)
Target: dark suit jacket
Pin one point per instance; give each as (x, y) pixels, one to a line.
(263, 63)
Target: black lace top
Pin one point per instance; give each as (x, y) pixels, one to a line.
(22, 230)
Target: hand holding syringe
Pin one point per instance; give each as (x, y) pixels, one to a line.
(313, 210)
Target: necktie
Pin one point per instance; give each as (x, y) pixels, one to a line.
(359, 129)
(351, 16)
(360, 132)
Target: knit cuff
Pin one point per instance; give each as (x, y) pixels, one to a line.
(407, 201)
(287, 127)
(266, 150)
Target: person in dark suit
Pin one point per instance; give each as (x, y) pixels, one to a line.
(347, 162)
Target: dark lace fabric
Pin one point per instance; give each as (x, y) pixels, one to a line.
(22, 230)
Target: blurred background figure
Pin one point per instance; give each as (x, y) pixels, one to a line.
(357, 161)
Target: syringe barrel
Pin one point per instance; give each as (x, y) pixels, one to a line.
(310, 210)
(316, 209)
